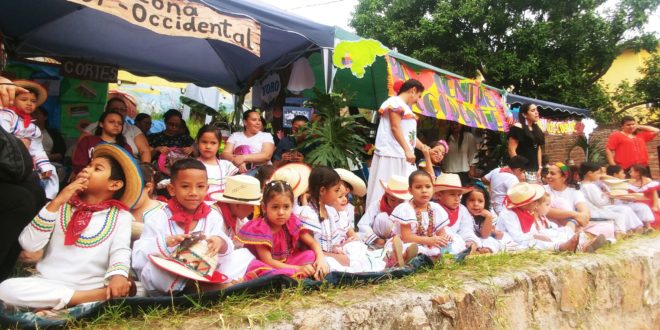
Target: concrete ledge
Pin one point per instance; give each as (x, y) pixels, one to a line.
(618, 289)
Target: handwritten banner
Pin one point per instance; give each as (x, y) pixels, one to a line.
(553, 127)
(184, 19)
(449, 98)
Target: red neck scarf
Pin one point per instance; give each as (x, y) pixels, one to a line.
(506, 170)
(83, 215)
(453, 214)
(526, 219)
(229, 219)
(27, 118)
(384, 207)
(184, 219)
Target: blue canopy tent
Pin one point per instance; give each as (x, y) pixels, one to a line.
(548, 109)
(63, 29)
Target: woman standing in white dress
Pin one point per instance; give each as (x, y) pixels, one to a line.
(396, 139)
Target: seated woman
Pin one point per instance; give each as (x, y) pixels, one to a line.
(249, 148)
(174, 136)
(568, 206)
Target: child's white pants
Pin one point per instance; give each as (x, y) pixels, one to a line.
(36, 292)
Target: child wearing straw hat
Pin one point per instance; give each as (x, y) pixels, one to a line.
(352, 185)
(423, 224)
(617, 186)
(448, 192)
(375, 226)
(17, 120)
(519, 220)
(184, 215)
(85, 233)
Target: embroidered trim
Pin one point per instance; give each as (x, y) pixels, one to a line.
(117, 267)
(42, 224)
(109, 224)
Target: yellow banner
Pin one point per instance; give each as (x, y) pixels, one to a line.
(184, 19)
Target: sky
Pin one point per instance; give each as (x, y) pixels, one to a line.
(338, 12)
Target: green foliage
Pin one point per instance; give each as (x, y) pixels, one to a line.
(333, 137)
(593, 149)
(494, 152)
(551, 50)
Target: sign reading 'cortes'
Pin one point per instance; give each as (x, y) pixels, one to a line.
(183, 18)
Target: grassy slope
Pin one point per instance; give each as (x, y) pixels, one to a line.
(279, 307)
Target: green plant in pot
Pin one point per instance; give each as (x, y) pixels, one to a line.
(333, 138)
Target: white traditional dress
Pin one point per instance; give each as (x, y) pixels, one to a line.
(600, 206)
(427, 222)
(389, 157)
(101, 251)
(509, 223)
(375, 224)
(152, 242)
(332, 233)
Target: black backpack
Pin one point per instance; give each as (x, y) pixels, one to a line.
(15, 160)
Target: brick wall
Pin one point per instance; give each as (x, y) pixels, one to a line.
(556, 147)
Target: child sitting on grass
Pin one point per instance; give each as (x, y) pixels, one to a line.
(448, 192)
(279, 241)
(185, 213)
(600, 204)
(375, 226)
(85, 233)
(335, 232)
(477, 202)
(422, 225)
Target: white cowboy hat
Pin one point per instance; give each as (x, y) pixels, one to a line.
(397, 186)
(296, 174)
(359, 187)
(193, 263)
(239, 189)
(523, 193)
(449, 181)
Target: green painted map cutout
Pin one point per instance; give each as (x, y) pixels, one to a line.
(357, 55)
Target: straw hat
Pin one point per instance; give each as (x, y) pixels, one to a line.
(449, 181)
(240, 189)
(619, 189)
(134, 181)
(359, 187)
(42, 93)
(523, 193)
(397, 186)
(296, 174)
(192, 262)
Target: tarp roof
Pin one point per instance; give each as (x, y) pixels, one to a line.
(548, 106)
(62, 29)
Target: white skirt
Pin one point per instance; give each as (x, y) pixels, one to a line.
(382, 168)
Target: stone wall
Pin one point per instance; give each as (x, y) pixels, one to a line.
(616, 290)
(557, 147)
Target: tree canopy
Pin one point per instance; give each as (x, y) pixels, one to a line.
(547, 49)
